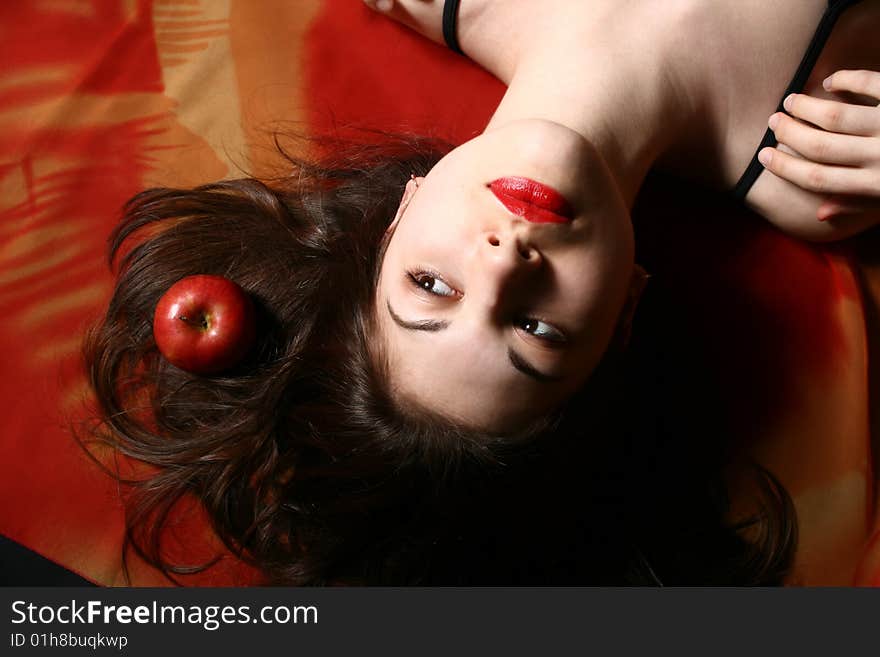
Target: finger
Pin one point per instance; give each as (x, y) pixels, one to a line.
(864, 83)
(834, 116)
(835, 206)
(822, 146)
(821, 178)
(380, 5)
(423, 16)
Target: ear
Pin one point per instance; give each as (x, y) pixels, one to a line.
(638, 282)
(408, 193)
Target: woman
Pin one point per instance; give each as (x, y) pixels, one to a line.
(598, 93)
(459, 332)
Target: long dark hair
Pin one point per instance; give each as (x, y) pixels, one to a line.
(305, 465)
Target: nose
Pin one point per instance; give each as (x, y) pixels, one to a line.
(520, 251)
(508, 261)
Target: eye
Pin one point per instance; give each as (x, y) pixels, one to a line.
(431, 283)
(540, 329)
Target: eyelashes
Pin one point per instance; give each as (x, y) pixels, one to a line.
(540, 329)
(430, 282)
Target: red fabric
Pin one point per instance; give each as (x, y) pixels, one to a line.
(99, 100)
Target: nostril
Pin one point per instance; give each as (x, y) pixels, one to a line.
(494, 241)
(528, 253)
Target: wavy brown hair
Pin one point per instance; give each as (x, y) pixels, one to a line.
(306, 466)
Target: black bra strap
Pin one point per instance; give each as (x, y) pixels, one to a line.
(823, 31)
(450, 17)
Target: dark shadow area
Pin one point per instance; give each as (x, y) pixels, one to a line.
(22, 567)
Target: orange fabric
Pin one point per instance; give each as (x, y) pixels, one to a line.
(99, 100)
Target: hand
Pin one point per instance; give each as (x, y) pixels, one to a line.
(839, 145)
(423, 16)
(381, 5)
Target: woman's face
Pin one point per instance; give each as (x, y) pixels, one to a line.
(486, 317)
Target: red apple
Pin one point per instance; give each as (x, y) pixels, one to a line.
(204, 324)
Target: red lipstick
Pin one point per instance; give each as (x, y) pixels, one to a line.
(532, 200)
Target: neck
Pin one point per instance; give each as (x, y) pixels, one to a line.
(622, 89)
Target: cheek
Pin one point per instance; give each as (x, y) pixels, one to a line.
(397, 259)
(436, 242)
(594, 305)
(583, 290)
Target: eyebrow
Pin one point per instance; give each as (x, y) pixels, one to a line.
(523, 366)
(434, 325)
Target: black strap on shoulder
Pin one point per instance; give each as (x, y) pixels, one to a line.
(823, 31)
(450, 18)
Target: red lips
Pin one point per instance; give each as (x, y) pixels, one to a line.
(532, 200)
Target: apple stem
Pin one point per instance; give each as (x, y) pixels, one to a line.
(203, 323)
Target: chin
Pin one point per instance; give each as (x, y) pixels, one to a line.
(557, 156)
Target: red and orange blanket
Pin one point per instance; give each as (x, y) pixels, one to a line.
(100, 99)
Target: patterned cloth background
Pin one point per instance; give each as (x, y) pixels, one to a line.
(102, 98)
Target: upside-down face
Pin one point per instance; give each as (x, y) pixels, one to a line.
(505, 276)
